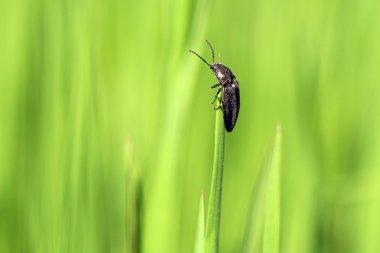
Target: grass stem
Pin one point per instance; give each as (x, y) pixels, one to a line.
(215, 202)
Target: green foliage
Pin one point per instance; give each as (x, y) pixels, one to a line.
(84, 82)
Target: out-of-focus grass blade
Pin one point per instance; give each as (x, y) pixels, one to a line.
(215, 202)
(263, 230)
(134, 201)
(271, 237)
(199, 240)
(162, 197)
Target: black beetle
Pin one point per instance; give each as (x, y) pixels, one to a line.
(229, 86)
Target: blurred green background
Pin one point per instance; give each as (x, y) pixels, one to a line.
(102, 107)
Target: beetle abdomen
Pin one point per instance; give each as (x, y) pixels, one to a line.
(231, 104)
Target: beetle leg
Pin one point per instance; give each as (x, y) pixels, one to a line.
(220, 106)
(215, 85)
(216, 95)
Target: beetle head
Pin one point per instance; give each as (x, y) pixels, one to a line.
(222, 73)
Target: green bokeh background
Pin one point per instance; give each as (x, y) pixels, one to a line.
(101, 99)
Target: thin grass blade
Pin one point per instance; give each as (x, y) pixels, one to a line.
(271, 237)
(215, 202)
(263, 230)
(200, 238)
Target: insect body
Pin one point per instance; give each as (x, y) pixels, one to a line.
(229, 86)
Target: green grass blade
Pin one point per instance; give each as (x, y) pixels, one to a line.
(200, 238)
(271, 237)
(263, 230)
(255, 225)
(134, 201)
(215, 202)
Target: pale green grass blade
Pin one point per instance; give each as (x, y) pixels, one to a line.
(134, 201)
(215, 202)
(263, 230)
(255, 224)
(200, 238)
(271, 237)
(162, 205)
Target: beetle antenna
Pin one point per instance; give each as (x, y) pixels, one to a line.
(212, 50)
(200, 57)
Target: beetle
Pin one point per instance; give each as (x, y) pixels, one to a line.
(229, 86)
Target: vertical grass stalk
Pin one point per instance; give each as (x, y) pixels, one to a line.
(263, 227)
(215, 202)
(200, 238)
